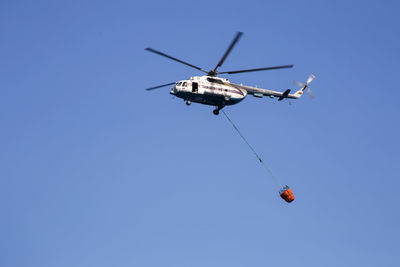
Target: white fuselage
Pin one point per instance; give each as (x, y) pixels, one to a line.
(208, 90)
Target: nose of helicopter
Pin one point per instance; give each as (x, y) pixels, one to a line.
(173, 90)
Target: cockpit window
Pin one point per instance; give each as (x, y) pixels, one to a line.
(212, 80)
(179, 83)
(184, 84)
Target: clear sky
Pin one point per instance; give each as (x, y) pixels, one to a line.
(96, 171)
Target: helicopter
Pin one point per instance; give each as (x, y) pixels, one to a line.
(220, 92)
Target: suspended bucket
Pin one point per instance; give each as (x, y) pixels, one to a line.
(286, 193)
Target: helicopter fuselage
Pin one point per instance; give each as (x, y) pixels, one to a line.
(208, 90)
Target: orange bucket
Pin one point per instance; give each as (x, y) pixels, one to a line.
(286, 193)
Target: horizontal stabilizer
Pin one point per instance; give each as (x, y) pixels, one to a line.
(284, 95)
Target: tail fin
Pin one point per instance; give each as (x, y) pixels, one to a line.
(300, 92)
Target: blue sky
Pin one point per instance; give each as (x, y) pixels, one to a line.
(96, 171)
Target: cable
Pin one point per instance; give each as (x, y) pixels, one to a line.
(275, 179)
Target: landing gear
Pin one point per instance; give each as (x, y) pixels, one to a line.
(216, 111)
(188, 102)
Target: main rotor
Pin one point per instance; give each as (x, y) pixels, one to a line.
(214, 72)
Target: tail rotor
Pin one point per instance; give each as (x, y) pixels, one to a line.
(305, 85)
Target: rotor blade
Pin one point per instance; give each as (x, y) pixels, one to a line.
(312, 76)
(178, 60)
(299, 84)
(310, 93)
(237, 37)
(155, 87)
(269, 68)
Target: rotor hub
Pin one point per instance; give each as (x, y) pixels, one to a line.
(212, 73)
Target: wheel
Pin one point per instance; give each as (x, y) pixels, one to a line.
(188, 102)
(216, 111)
